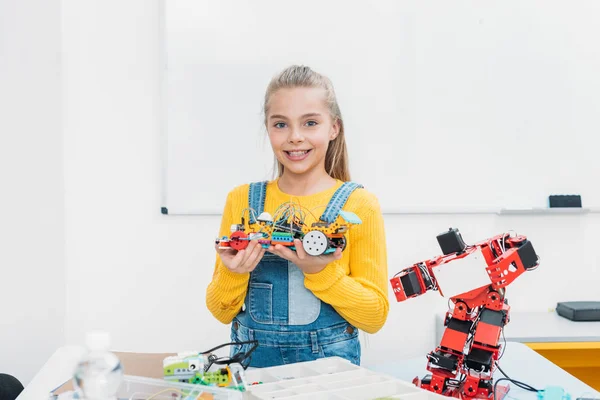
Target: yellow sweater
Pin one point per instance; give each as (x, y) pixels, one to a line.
(356, 285)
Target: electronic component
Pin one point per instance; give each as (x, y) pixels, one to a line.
(451, 242)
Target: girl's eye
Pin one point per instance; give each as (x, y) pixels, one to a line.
(280, 125)
(311, 123)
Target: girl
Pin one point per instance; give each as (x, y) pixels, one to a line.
(297, 306)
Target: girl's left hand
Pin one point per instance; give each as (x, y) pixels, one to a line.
(307, 263)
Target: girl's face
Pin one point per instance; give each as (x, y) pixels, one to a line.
(300, 128)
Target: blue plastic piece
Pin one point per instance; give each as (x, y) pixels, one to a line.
(350, 217)
(553, 393)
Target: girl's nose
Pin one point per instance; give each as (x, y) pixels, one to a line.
(295, 136)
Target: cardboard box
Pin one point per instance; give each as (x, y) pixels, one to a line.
(148, 365)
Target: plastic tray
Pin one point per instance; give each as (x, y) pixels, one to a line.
(332, 378)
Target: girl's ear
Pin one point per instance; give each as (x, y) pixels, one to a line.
(335, 129)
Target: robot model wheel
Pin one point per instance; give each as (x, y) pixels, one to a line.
(315, 243)
(238, 240)
(340, 242)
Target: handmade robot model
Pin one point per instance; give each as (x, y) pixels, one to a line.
(289, 222)
(463, 364)
(198, 367)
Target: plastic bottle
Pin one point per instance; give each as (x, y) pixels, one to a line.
(100, 373)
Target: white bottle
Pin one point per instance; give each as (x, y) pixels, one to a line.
(100, 373)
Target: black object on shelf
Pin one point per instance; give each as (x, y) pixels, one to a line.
(579, 310)
(567, 200)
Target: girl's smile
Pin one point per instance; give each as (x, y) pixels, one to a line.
(297, 155)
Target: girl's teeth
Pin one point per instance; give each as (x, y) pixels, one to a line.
(297, 153)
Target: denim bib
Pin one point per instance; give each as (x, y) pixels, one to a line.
(290, 323)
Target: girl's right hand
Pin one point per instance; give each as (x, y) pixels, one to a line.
(242, 261)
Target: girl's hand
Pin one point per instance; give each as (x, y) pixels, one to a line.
(307, 263)
(242, 261)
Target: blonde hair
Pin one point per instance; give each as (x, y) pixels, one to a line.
(336, 158)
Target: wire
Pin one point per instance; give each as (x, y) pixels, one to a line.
(494, 397)
(251, 213)
(228, 344)
(425, 272)
(521, 385)
(503, 348)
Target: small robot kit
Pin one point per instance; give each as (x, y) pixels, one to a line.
(291, 221)
(208, 369)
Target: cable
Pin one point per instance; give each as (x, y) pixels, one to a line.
(424, 271)
(503, 347)
(519, 384)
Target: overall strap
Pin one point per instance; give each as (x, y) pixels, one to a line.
(256, 199)
(338, 200)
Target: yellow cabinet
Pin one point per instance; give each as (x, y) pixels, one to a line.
(580, 359)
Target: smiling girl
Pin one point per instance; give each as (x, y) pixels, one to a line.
(297, 306)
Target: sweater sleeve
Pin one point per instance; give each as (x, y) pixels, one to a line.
(361, 296)
(226, 292)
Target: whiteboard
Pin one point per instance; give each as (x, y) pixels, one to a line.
(461, 105)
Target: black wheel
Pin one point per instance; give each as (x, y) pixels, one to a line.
(339, 242)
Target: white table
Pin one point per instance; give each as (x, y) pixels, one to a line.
(57, 370)
(528, 327)
(519, 362)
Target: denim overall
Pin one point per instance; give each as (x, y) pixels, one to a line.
(289, 322)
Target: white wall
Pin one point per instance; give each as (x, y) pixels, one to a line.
(32, 261)
(131, 270)
(142, 275)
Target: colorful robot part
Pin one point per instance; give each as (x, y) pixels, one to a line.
(183, 367)
(190, 368)
(287, 224)
(223, 242)
(463, 364)
(282, 238)
(238, 240)
(325, 238)
(220, 377)
(315, 243)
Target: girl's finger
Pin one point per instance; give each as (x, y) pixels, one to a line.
(286, 253)
(336, 255)
(300, 252)
(255, 257)
(260, 256)
(237, 260)
(249, 250)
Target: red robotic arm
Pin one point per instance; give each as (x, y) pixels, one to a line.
(462, 365)
(506, 258)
